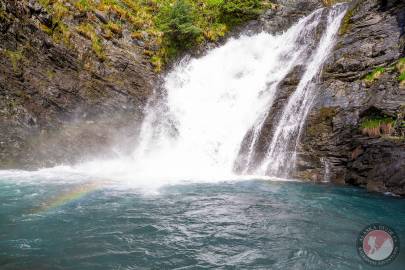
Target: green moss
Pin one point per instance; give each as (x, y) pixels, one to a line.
(84, 5)
(326, 113)
(15, 58)
(114, 27)
(59, 11)
(401, 64)
(321, 124)
(97, 46)
(401, 77)
(59, 31)
(50, 74)
(157, 63)
(401, 69)
(45, 3)
(87, 30)
(3, 14)
(62, 34)
(345, 26)
(374, 75)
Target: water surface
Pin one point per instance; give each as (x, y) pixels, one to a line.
(227, 225)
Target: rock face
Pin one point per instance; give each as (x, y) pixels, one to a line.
(284, 14)
(287, 13)
(59, 103)
(360, 82)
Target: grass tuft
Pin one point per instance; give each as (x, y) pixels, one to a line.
(378, 126)
(87, 30)
(401, 69)
(374, 75)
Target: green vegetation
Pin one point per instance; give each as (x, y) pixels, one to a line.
(165, 27)
(401, 69)
(15, 58)
(344, 27)
(377, 126)
(87, 30)
(346, 22)
(183, 23)
(374, 75)
(333, 2)
(401, 78)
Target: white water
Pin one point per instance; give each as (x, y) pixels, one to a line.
(211, 103)
(214, 101)
(281, 155)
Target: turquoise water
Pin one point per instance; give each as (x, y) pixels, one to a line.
(228, 225)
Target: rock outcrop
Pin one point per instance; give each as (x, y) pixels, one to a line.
(59, 102)
(355, 132)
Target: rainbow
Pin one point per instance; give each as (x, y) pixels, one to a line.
(67, 197)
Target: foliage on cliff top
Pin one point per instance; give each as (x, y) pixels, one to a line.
(165, 28)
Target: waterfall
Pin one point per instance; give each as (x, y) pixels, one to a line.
(211, 103)
(209, 113)
(281, 154)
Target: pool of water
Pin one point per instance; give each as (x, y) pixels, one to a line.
(226, 225)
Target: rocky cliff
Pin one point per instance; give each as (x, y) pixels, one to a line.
(355, 132)
(62, 97)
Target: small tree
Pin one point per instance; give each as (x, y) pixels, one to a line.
(237, 11)
(177, 22)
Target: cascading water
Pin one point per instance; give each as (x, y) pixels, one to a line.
(280, 158)
(212, 102)
(196, 131)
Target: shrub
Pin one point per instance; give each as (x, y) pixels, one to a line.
(177, 22)
(237, 11)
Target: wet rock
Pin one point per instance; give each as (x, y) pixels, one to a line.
(286, 13)
(372, 39)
